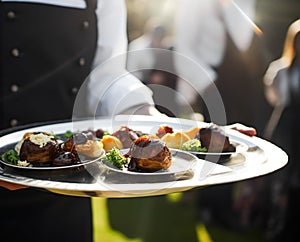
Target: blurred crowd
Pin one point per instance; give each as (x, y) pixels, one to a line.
(236, 43)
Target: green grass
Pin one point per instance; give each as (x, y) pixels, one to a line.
(170, 218)
(102, 230)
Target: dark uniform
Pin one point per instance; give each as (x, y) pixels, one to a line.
(46, 53)
(240, 85)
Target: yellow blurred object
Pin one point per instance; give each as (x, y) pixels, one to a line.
(202, 233)
(101, 227)
(192, 132)
(109, 142)
(175, 140)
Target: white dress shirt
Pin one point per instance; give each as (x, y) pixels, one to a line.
(111, 89)
(200, 30)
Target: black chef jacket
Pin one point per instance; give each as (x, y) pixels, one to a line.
(46, 53)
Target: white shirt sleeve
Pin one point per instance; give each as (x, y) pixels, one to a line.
(201, 28)
(111, 89)
(200, 37)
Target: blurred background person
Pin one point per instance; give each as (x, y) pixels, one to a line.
(147, 61)
(153, 37)
(250, 200)
(282, 86)
(225, 42)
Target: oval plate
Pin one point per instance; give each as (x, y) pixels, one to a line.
(222, 156)
(182, 167)
(47, 168)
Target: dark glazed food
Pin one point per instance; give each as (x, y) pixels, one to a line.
(214, 139)
(126, 135)
(149, 155)
(43, 149)
(66, 159)
(39, 147)
(83, 143)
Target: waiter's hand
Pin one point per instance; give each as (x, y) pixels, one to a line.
(11, 186)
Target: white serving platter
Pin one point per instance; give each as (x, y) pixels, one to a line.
(95, 180)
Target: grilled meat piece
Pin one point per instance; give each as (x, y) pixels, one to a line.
(149, 155)
(39, 147)
(214, 139)
(126, 136)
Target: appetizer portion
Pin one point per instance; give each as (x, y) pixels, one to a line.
(146, 154)
(197, 139)
(38, 147)
(149, 155)
(214, 139)
(42, 149)
(83, 143)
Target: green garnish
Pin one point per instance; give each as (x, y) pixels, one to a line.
(11, 157)
(116, 158)
(193, 145)
(68, 134)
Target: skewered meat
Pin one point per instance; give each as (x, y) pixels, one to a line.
(149, 155)
(214, 139)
